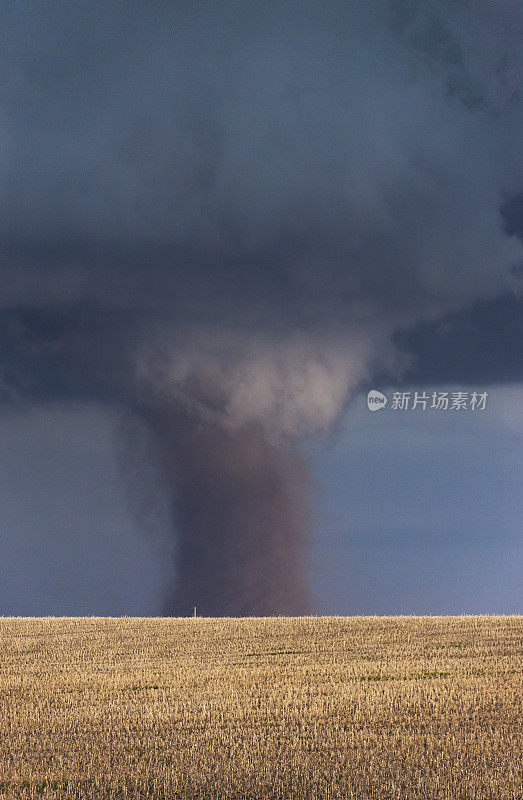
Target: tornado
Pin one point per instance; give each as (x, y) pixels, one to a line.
(240, 516)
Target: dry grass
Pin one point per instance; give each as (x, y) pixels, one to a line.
(361, 707)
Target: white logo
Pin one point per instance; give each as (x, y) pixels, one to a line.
(376, 400)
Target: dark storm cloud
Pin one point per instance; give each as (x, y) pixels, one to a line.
(186, 158)
(226, 210)
(481, 344)
(257, 169)
(512, 213)
(67, 352)
(451, 39)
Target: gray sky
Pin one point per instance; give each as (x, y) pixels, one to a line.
(250, 214)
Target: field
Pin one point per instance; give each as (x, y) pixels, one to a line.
(315, 708)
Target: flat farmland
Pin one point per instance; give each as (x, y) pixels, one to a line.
(317, 708)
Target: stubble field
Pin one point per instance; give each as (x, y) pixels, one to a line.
(314, 708)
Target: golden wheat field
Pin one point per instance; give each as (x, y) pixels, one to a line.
(312, 707)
